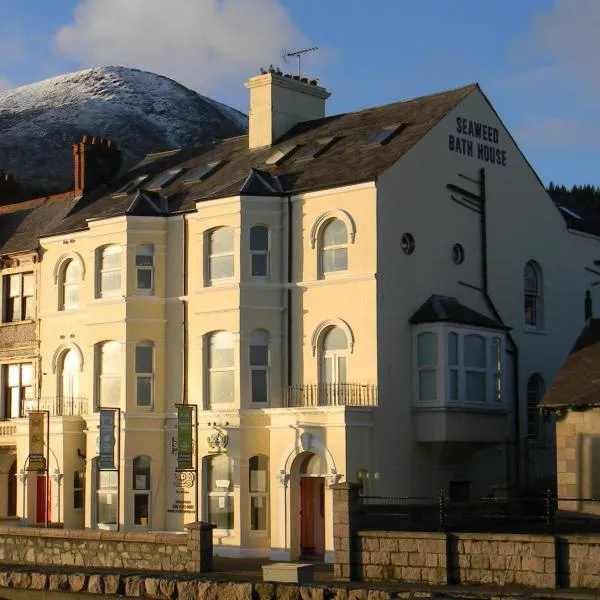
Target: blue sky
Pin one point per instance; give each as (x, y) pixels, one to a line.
(537, 60)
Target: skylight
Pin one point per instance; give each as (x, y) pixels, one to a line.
(384, 135)
(570, 212)
(314, 149)
(131, 186)
(202, 172)
(281, 154)
(163, 180)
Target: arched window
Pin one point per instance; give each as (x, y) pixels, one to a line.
(334, 247)
(535, 391)
(108, 374)
(259, 493)
(144, 374)
(70, 367)
(333, 366)
(141, 491)
(259, 250)
(532, 279)
(144, 266)
(110, 272)
(70, 282)
(220, 259)
(221, 370)
(218, 471)
(259, 366)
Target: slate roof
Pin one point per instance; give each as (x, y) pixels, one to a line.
(348, 160)
(577, 383)
(446, 309)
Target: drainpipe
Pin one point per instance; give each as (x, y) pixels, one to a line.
(288, 327)
(184, 387)
(492, 307)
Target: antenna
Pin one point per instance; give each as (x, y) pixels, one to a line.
(298, 53)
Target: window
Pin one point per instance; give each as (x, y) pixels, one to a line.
(109, 375)
(334, 247)
(497, 369)
(19, 297)
(18, 390)
(69, 366)
(535, 391)
(110, 271)
(106, 497)
(259, 251)
(259, 366)
(474, 360)
(453, 367)
(202, 172)
(259, 493)
(144, 266)
(141, 491)
(71, 278)
(220, 254)
(533, 298)
(407, 243)
(144, 374)
(334, 356)
(219, 488)
(221, 373)
(427, 348)
(78, 489)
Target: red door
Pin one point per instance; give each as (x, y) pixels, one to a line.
(312, 496)
(42, 503)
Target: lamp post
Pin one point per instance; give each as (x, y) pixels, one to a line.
(56, 479)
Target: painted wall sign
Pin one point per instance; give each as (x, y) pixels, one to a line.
(37, 462)
(107, 439)
(477, 140)
(182, 494)
(184, 437)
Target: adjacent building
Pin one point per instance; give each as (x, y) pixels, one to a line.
(376, 296)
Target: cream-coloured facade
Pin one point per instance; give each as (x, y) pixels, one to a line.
(371, 311)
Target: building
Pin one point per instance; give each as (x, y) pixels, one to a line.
(363, 297)
(573, 399)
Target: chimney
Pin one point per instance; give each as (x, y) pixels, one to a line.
(588, 308)
(278, 102)
(96, 161)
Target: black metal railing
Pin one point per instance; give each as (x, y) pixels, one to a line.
(518, 515)
(329, 394)
(57, 406)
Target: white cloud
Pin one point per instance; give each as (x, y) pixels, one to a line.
(556, 133)
(200, 43)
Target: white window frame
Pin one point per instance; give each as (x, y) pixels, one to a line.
(20, 311)
(143, 375)
(113, 491)
(443, 379)
(210, 279)
(228, 493)
(141, 491)
(65, 283)
(260, 252)
(210, 369)
(262, 336)
(81, 490)
(101, 375)
(112, 249)
(263, 495)
(323, 249)
(144, 250)
(24, 393)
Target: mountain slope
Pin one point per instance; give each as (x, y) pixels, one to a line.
(141, 111)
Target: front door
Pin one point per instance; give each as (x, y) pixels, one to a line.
(312, 504)
(12, 491)
(42, 504)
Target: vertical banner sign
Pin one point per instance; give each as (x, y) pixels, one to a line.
(107, 439)
(184, 437)
(37, 462)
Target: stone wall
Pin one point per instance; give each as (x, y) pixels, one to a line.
(190, 552)
(537, 561)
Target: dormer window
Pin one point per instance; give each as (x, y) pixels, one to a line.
(458, 366)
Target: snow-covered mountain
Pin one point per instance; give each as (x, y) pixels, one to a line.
(142, 112)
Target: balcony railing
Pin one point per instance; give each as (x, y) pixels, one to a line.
(329, 394)
(57, 406)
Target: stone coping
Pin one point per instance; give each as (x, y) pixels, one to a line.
(422, 535)
(581, 538)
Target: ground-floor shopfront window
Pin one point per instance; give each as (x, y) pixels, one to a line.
(219, 500)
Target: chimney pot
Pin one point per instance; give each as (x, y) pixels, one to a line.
(96, 161)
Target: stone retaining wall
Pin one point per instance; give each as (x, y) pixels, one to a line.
(537, 561)
(190, 552)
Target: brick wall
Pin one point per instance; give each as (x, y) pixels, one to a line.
(537, 561)
(190, 552)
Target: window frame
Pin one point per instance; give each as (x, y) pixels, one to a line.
(533, 296)
(64, 283)
(494, 372)
(8, 402)
(534, 424)
(112, 490)
(145, 375)
(210, 370)
(79, 490)
(149, 291)
(145, 470)
(263, 495)
(209, 279)
(228, 494)
(322, 249)
(100, 376)
(259, 368)
(102, 270)
(260, 252)
(18, 313)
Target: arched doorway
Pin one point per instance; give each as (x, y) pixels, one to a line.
(308, 474)
(11, 510)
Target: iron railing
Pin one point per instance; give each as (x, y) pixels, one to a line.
(329, 394)
(57, 406)
(536, 514)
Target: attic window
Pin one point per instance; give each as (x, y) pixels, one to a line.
(570, 212)
(203, 171)
(131, 186)
(384, 135)
(281, 154)
(314, 149)
(163, 180)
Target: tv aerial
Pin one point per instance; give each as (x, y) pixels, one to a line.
(285, 55)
